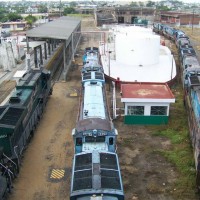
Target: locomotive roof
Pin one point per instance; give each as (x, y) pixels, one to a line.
(29, 79)
(96, 171)
(20, 97)
(93, 123)
(194, 81)
(94, 101)
(9, 116)
(93, 76)
(191, 60)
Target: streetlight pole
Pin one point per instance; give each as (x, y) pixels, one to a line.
(60, 8)
(192, 20)
(172, 66)
(109, 63)
(109, 67)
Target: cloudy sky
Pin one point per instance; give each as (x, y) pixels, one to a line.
(187, 1)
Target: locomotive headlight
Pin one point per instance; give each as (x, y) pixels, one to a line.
(95, 133)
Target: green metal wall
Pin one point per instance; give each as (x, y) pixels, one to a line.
(145, 120)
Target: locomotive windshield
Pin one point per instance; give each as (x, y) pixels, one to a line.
(97, 198)
(95, 139)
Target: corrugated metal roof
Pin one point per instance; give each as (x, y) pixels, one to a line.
(61, 28)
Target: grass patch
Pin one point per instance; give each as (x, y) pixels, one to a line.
(181, 153)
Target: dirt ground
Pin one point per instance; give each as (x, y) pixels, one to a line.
(46, 166)
(5, 88)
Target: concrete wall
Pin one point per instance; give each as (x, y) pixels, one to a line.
(8, 55)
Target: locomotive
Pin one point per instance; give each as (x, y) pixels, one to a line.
(95, 171)
(190, 69)
(19, 117)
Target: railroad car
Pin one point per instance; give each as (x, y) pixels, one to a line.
(191, 84)
(169, 32)
(94, 127)
(19, 117)
(158, 28)
(91, 54)
(182, 41)
(178, 34)
(95, 171)
(186, 46)
(190, 61)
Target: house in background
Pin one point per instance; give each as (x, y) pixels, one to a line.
(13, 26)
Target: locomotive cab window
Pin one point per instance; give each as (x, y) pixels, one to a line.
(78, 141)
(111, 141)
(94, 139)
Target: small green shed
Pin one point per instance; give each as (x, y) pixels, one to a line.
(146, 103)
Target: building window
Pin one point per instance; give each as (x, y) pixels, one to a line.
(134, 12)
(135, 110)
(158, 110)
(20, 25)
(5, 25)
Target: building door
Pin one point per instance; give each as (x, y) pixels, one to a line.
(133, 20)
(120, 20)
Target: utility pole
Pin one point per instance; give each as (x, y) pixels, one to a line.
(109, 52)
(60, 8)
(192, 20)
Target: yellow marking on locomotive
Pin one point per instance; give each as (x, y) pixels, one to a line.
(73, 94)
(57, 173)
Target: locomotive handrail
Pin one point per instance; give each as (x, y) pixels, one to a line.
(7, 169)
(10, 159)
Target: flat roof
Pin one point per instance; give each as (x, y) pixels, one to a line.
(146, 91)
(60, 28)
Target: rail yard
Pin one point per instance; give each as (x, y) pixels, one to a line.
(47, 162)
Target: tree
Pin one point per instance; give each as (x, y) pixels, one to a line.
(134, 4)
(141, 4)
(3, 17)
(42, 9)
(69, 10)
(165, 8)
(73, 4)
(150, 4)
(30, 20)
(14, 17)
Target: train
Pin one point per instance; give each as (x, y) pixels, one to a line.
(190, 76)
(95, 169)
(19, 116)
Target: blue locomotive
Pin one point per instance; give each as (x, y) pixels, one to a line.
(18, 119)
(94, 127)
(95, 172)
(190, 69)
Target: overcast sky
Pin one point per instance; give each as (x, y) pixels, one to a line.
(187, 1)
